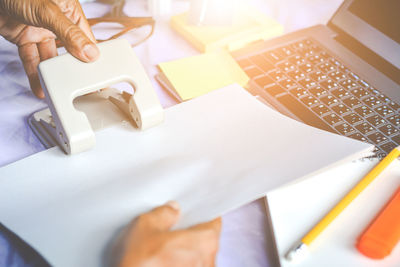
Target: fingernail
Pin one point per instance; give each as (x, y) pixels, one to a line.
(173, 204)
(91, 52)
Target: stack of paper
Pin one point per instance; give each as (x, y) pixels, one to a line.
(212, 154)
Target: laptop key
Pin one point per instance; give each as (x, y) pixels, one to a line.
(349, 84)
(329, 100)
(307, 83)
(300, 44)
(321, 109)
(296, 75)
(384, 111)
(318, 76)
(365, 128)
(332, 119)
(306, 68)
(274, 90)
(288, 83)
(297, 60)
(337, 75)
(286, 66)
(323, 54)
(359, 92)
(388, 147)
(352, 118)
(373, 91)
(395, 120)
(359, 137)
(351, 101)
(285, 51)
(277, 75)
(344, 128)
(318, 91)
(326, 67)
(376, 120)
(377, 137)
(343, 69)
(329, 84)
(372, 101)
(298, 92)
(394, 105)
(388, 129)
(273, 57)
(340, 93)
(363, 111)
(309, 101)
(264, 81)
(316, 59)
(340, 109)
(383, 98)
(306, 52)
(303, 113)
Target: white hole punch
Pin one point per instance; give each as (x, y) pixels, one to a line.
(64, 78)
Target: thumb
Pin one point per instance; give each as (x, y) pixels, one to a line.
(214, 225)
(74, 39)
(160, 219)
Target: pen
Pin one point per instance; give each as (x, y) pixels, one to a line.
(302, 247)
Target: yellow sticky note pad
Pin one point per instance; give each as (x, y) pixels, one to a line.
(194, 76)
(249, 25)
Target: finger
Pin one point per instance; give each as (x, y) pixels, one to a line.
(47, 49)
(84, 24)
(209, 242)
(30, 58)
(74, 39)
(160, 219)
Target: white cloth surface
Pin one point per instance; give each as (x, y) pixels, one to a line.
(245, 239)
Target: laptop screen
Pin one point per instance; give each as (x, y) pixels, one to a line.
(382, 15)
(375, 24)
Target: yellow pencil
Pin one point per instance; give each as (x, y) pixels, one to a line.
(306, 241)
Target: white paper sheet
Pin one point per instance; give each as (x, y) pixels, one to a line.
(296, 208)
(212, 154)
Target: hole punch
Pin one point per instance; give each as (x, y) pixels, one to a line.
(64, 78)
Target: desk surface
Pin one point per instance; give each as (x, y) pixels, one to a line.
(245, 239)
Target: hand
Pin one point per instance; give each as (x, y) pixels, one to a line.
(33, 26)
(149, 241)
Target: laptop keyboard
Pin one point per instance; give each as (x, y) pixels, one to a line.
(322, 92)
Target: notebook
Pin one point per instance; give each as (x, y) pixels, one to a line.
(294, 209)
(212, 154)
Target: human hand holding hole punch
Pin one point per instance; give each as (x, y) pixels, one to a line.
(33, 25)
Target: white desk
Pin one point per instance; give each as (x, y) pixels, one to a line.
(245, 239)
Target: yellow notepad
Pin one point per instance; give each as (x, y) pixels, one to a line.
(249, 25)
(190, 77)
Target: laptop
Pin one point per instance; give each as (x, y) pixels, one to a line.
(342, 77)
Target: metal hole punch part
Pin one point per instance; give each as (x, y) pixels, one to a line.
(65, 78)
